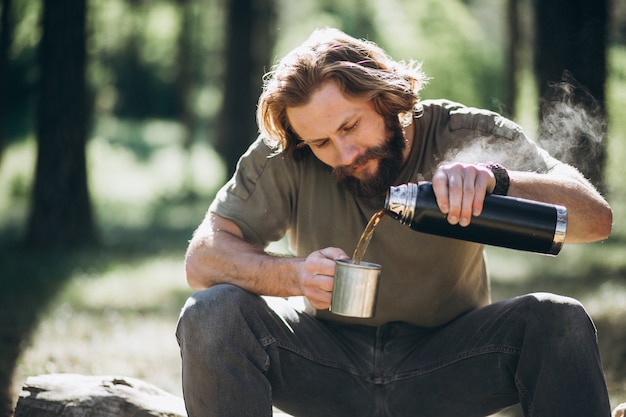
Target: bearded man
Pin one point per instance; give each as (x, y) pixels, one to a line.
(340, 123)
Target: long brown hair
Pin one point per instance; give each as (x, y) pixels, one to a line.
(361, 69)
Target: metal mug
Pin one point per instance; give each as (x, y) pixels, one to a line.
(355, 288)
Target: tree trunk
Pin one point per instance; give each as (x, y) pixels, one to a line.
(571, 65)
(250, 40)
(184, 76)
(61, 212)
(6, 32)
(512, 57)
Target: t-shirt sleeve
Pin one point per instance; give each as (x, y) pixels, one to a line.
(259, 196)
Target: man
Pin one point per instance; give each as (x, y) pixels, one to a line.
(340, 122)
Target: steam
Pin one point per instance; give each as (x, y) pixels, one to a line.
(572, 129)
(573, 126)
(485, 149)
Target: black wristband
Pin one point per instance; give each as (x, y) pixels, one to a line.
(502, 178)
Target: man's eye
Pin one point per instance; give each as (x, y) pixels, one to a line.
(320, 143)
(351, 127)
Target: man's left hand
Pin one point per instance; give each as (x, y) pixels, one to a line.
(460, 190)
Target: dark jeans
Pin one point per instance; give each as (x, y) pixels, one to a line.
(241, 353)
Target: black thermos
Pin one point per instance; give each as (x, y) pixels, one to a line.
(508, 222)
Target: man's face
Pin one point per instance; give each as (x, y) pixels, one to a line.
(347, 134)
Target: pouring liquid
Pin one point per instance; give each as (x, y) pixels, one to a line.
(366, 237)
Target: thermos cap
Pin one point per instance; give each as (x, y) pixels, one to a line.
(400, 202)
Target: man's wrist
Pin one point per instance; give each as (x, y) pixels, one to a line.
(502, 178)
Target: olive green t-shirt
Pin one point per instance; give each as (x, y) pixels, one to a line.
(426, 280)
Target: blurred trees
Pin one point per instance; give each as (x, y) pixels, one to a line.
(166, 59)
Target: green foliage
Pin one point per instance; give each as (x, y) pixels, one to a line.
(22, 74)
(134, 68)
(137, 62)
(456, 49)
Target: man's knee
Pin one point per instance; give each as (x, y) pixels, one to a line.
(548, 303)
(564, 316)
(216, 311)
(218, 299)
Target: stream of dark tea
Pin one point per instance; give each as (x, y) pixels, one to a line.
(366, 236)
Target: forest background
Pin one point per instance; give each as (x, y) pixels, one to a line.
(119, 120)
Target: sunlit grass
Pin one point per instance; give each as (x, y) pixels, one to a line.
(119, 322)
(133, 288)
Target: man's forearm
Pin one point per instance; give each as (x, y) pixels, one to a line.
(589, 215)
(217, 256)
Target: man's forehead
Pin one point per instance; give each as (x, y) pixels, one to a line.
(328, 110)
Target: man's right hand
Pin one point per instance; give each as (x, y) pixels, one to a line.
(316, 275)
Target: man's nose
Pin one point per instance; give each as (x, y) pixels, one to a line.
(348, 152)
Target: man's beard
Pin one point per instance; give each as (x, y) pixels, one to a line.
(390, 159)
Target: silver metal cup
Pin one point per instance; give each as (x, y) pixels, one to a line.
(355, 288)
